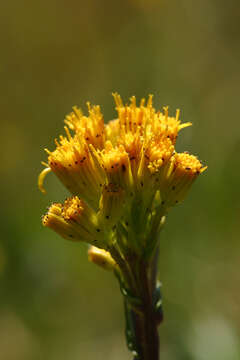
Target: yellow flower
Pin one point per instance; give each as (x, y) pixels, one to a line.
(125, 173)
(74, 165)
(75, 220)
(182, 171)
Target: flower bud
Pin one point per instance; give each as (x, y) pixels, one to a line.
(101, 258)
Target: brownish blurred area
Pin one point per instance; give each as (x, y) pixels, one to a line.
(56, 54)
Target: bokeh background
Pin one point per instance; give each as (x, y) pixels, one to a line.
(55, 54)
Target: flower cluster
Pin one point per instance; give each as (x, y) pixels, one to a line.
(124, 176)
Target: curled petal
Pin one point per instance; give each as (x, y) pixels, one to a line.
(41, 178)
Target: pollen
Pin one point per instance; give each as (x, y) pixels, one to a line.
(73, 208)
(188, 164)
(158, 152)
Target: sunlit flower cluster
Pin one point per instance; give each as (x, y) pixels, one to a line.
(123, 176)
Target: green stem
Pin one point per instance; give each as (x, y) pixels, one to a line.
(142, 302)
(149, 332)
(142, 322)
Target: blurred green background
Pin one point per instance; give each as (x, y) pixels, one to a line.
(55, 54)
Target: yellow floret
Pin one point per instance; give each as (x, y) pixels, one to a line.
(180, 174)
(75, 220)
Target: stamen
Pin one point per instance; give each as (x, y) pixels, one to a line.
(177, 114)
(68, 133)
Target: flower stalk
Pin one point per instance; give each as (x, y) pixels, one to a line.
(124, 178)
(144, 320)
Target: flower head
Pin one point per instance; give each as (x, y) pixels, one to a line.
(122, 175)
(74, 220)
